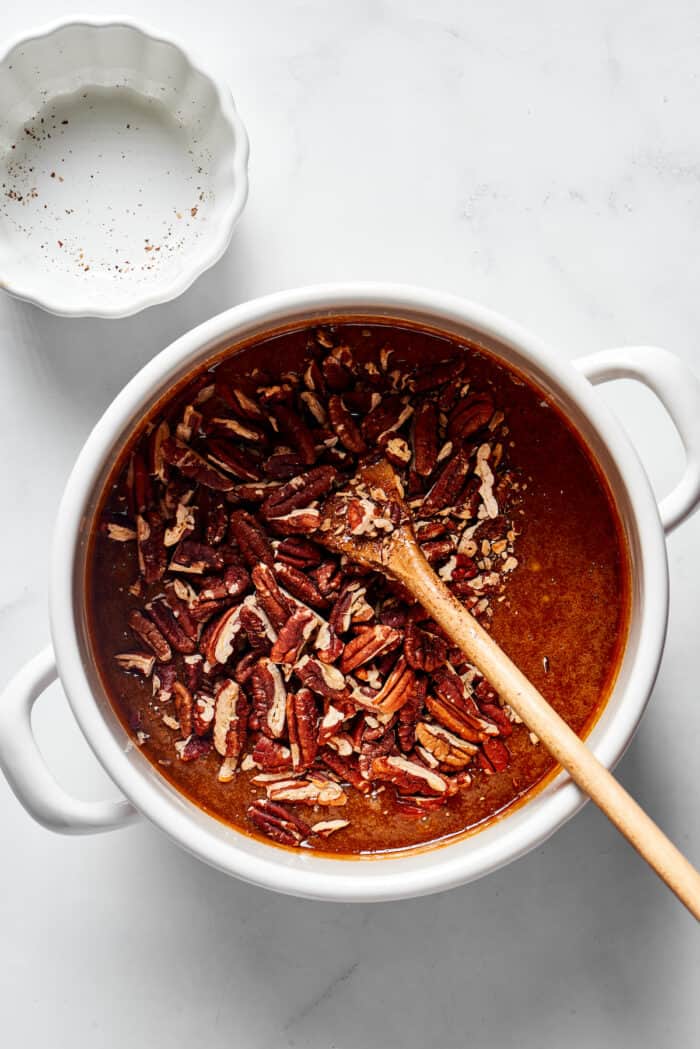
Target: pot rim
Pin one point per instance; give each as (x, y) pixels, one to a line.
(312, 875)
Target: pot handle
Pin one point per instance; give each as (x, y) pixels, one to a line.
(26, 771)
(678, 389)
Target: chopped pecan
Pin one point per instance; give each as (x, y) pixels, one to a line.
(408, 776)
(383, 418)
(325, 828)
(151, 549)
(293, 636)
(395, 449)
(278, 823)
(157, 462)
(269, 697)
(184, 706)
(252, 541)
(302, 728)
(240, 431)
(147, 631)
(336, 374)
(192, 748)
(240, 401)
(139, 662)
(417, 806)
(369, 643)
(118, 528)
(164, 677)
(330, 722)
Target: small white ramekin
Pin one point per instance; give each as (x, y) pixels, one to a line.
(571, 387)
(123, 168)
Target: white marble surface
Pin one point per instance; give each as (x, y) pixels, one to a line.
(542, 158)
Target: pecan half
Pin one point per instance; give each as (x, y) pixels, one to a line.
(423, 650)
(192, 465)
(147, 631)
(370, 643)
(447, 748)
(425, 438)
(448, 484)
(314, 790)
(408, 776)
(169, 626)
(300, 585)
(237, 461)
(296, 431)
(278, 823)
(321, 678)
(345, 426)
(293, 636)
(470, 415)
(195, 558)
(260, 631)
(252, 541)
(299, 491)
(217, 646)
(269, 697)
(184, 708)
(396, 690)
(274, 603)
(271, 755)
(230, 726)
(299, 552)
(302, 726)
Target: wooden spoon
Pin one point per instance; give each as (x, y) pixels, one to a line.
(369, 522)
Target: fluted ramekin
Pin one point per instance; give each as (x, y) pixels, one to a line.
(123, 168)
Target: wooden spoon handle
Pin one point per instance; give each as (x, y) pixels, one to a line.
(584, 768)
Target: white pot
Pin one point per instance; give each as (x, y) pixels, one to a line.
(301, 873)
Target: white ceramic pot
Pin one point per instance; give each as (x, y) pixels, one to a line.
(301, 873)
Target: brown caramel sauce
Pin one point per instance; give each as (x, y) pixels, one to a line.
(563, 621)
